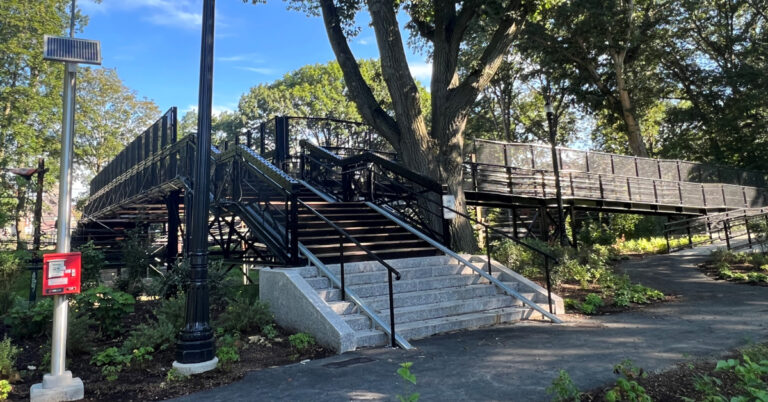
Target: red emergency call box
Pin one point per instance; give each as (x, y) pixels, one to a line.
(61, 274)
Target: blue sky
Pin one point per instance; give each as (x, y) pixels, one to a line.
(155, 46)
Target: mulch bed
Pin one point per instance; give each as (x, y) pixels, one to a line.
(679, 381)
(710, 270)
(150, 382)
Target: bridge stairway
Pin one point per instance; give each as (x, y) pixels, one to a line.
(436, 294)
(377, 233)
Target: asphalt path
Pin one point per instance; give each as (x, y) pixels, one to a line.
(518, 362)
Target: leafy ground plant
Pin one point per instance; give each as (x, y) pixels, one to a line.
(627, 387)
(111, 362)
(563, 389)
(107, 307)
(301, 341)
(405, 373)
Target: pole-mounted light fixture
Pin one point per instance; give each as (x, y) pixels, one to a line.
(59, 383)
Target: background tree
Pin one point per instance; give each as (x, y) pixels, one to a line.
(110, 115)
(717, 59)
(607, 52)
(318, 91)
(431, 144)
(30, 94)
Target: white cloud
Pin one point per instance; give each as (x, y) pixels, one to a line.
(258, 70)
(185, 14)
(421, 71)
(365, 41)
(252, 57)
(215, 109)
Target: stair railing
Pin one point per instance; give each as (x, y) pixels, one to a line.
(367, 176)
(265, 193)
(549, 259)
(343, 234)
(722, 226)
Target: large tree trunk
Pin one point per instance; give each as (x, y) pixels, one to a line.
(634, 134)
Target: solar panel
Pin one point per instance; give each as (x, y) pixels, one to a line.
(73, 50)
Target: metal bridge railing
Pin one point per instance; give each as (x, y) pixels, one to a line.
(532, 156)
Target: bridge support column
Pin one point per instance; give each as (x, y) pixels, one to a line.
(172, 244)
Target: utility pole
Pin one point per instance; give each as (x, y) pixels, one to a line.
(195, 349)
(552, 123)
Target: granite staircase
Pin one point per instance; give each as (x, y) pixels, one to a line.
(435, 295)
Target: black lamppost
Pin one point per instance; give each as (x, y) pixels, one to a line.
(556, 168)
(195, 350)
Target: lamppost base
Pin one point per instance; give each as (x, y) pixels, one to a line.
(56, 388)
(188, 369)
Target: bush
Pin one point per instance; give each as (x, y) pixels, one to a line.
(8, 354)
(301, 341)
(244, 316)
(111, 362)
(5, 389)
(93, 261)
(136, 254)
(79, 335)
(106, 306)
(161, 333)
(30, 321)
(10, 271)
(591, 303)
(563, 389)
(226, 350)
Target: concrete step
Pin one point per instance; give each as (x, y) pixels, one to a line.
(415, 285)
(363, 278)
(449, 308)
(431, 296)
(397, 263)
(371, 337)
(425, 328)
(357, 322)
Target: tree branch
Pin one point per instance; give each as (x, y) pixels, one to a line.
(464, 94)
(359, 90)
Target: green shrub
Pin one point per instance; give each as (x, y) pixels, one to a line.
(269, 331)
(563, 389)
(757, 277)
(8, 354)
(142, 355)
(627, 388)
(111, 362)
(79, 335)
(751, 377)
(301, 341)
(136, 254)
(10, 271)
(244, 316)
(93, 261)
(593, 233)
(106, 306)
(161, 333)
(5, 389)
(30, 321)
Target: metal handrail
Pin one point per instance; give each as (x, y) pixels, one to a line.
(344, 234)
(547, 257)
(501, 285)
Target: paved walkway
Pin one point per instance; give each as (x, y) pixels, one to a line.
(518, 362)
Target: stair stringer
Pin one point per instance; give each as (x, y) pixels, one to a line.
(297, 307)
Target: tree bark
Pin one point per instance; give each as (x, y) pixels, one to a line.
(634, 134)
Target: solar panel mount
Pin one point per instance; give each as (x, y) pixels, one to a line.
(72, 50)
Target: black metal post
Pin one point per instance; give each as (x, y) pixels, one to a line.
(549, 284)
(341, 268)
(391, 311)
(196, 344)
(488, 249)
(38, 230)
(727, 227)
